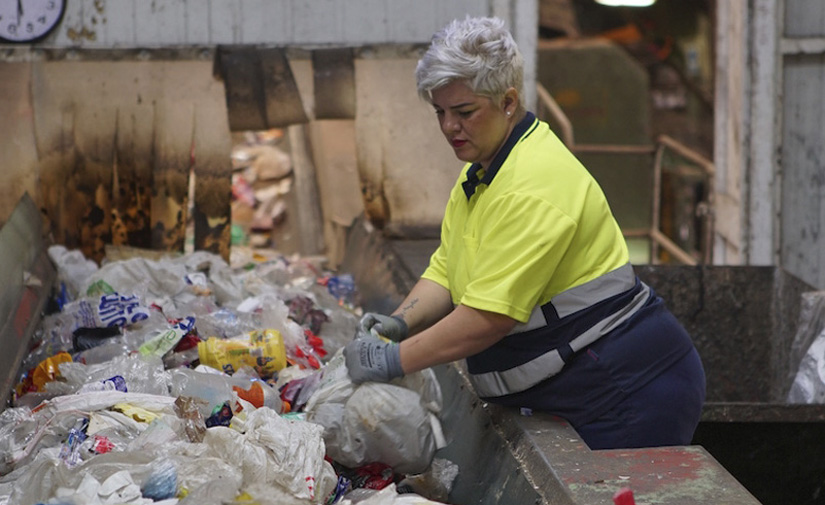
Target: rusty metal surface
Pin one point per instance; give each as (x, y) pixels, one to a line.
(282, 98)
(261, 92)
(116, 142)
(172, 149)
(240, 70)
(132, 187)
(334, 83)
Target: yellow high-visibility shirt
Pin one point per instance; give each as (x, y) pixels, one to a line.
(542, 225)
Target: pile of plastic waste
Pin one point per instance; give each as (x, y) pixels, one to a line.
(187, 380)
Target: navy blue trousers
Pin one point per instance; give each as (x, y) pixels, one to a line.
(665, 411)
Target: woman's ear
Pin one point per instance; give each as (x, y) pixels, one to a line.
(510, 101)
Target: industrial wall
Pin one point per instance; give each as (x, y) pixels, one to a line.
(106, 149)
(112, 112)
(770, 141)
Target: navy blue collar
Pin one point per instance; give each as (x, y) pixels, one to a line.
(472, 181)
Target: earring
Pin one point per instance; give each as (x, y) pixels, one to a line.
(508, 112)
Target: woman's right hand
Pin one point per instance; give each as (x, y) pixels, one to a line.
(391, 327)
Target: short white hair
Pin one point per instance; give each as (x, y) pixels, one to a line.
(478, 51)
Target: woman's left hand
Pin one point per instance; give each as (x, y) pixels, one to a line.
(370, 359)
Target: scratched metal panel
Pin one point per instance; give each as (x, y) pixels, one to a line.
(197, 23)
(225, 22)
(119, 25)
(804, 18)
(366, 20)
(803, 161)
(310, 19)
(262, 20)
(423, 15)
(416, 21)
(163, 23)
(446, 11)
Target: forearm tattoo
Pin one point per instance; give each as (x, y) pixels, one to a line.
(409, 306)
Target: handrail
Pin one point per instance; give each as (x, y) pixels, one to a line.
(663, 142)
(666, 142)
(557, 114)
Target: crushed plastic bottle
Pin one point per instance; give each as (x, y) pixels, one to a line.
(70, 451)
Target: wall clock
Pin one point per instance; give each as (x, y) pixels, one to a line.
(25, 21)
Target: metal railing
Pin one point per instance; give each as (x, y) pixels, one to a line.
(664, 143)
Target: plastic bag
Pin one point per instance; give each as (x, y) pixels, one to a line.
(212, 389)
(806, 358)
(387, 496)
(374, 422)
(72, 268)
(272, 450)
(434, 484)
(141, 374)
(111, 478)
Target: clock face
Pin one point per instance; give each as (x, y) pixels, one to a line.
(29, 20)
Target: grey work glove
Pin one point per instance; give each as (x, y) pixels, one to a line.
(391, 327)
(370, 359)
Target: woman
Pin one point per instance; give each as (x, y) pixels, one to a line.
(532, 283)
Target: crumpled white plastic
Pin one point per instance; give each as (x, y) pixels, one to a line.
(277, 451)
(389, 496)
(808, 350)
(809, 384)
(395, 424)
(118, 488)
(72, 268)
(97, 400)
(143, 374)
(165, 280)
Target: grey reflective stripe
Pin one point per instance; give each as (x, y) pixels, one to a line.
(590, 293)
(529, 374)
(537, 320)
(582, 296)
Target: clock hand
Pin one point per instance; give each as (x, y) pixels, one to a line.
(19, 10)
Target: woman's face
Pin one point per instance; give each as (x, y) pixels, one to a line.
(474, 125)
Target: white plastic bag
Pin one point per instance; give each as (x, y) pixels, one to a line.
(807, 355)
(387, 496)
(277, 451)
(143, 374)
(72, 268)
(372, 422)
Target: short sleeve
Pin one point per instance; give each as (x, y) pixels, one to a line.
(437, 269)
